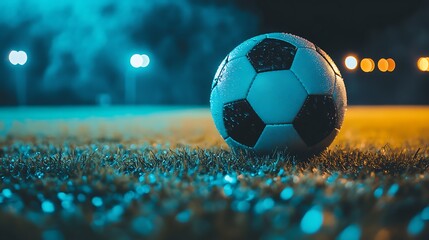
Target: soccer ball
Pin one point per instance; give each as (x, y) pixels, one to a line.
(278, 92)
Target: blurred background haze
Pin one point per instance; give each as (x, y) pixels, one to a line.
(79, 51)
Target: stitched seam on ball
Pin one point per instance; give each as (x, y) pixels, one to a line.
(302, 84)
(250, 86)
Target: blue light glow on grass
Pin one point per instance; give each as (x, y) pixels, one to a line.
(48, 206)
(416, 225)
(378, 192)
(7, 193)
(425, 214)
(312, 220)
(97, 201)
(393, 190)
(228, 190)
(229, 179)
(142, 225)
(240, 206)
(264, 205)
(352, 232)
(184, 216)
(287, 193)
(143, 189)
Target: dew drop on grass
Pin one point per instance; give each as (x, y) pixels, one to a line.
(264, 205)
(142, 226)
(230, 179)
(416, 225)
(378, 192)
(228, 190)
(425, 214)
(240, 206)
(287, 193)
(7, 193)
(48, 206)
(184, 216)
(352, 232)
(97, 201)
(393, 190)
(312, 220)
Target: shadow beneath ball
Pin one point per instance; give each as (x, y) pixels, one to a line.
(293, 157)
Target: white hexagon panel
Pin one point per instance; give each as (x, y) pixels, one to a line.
(313, 71)
(277, 96)
(280, 138)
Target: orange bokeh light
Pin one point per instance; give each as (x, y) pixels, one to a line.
(423, 64)
(391, 65)
(367, 65)
(383, 65)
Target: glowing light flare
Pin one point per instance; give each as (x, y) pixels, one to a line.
(146, 60)
(351, 62)
(367, 65)
(423, 64)
(391, 65)
(18, 57)
(136, 60)
(139, 60)
(383, 65)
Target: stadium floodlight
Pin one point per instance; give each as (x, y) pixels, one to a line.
(383, 65)
(367, 65)
(351, 62)
(146, 60)
(139, 61)
(19, 58)
(391, 65)
(423, 64)
(136, 61)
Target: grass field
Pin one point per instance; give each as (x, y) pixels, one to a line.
(165, 173)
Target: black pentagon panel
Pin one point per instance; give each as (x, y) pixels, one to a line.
(242, 123)
(271, 55)
(329, 60)
(316, 119)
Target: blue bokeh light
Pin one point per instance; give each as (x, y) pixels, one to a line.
(97, 201)
(184, 216)
(287, 193)
(425, 214)
(48, 206)
(7, 193)
(378, 192)
(416, 225)
(352, 232)
(228, 190)
(312, 220)
(142, 225)
(393, 190)
(264, 205)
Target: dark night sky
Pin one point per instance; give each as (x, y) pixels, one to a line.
(79, 50)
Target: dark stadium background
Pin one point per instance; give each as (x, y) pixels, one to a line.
(79, 51)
